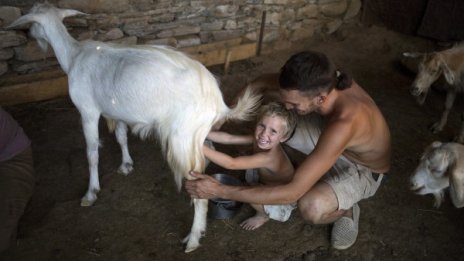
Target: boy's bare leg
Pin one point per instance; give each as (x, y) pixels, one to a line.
(257, 220)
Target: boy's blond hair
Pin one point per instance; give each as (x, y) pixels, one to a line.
(274, 109)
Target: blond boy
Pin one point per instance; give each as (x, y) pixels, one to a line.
(267, 165)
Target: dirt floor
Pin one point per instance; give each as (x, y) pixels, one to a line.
(143, 217)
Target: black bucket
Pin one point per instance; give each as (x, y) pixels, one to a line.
(219, 208)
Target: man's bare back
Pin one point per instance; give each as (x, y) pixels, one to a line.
(370, 144)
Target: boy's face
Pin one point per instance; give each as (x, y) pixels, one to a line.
(269, 132)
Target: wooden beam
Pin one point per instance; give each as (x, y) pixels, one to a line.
(202, 48)
(34, 91)
(215, 57)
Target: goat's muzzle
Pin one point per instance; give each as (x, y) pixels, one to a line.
(420, 95)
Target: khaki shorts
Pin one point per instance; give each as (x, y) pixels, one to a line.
(349, 181)
(276, 212)
(352, 185)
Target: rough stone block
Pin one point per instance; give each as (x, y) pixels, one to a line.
(11, 38)
(309, 11)
(302, 33)
(332, 26)
(125, 41)
(112, 34)
(96, 6)
(334, 9)
(3, 67)
(32, 52)
(353, 9)
(230, 25)
(222, 11)
(6, 53)
(8, 14)
(212, 26)
(276, 2)
(190, 40)
(224, 35)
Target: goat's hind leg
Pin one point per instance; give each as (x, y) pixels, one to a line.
(121, 135)
(199, 225)
(90, 126)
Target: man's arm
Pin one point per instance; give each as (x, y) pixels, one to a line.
(331, 144)
(258, 160)
(227, 138)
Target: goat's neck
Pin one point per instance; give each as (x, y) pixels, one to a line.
(65, 47)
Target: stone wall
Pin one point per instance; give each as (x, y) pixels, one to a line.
(179, 23)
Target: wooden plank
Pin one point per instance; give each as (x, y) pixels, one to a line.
(239, 52)
(211, 46)
(34, 91)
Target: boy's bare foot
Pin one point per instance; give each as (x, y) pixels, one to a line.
(254, 222)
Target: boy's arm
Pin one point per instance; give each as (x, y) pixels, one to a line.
(330, 146)
(226, 138)
(258, 160)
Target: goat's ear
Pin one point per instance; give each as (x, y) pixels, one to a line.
(70, 12)
(457, 183)
(449, 74)
(413, 55)
(25, 19)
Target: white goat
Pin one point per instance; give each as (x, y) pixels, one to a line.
(449, 63)
(441, 166)
(150, 88)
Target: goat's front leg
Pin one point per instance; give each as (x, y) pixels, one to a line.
(199, 225)
(121, 135)
(438, 126)
(90, 126)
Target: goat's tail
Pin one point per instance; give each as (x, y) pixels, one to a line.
(182, 140)
(246, 106)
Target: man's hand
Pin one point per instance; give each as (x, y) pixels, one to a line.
(204, 187)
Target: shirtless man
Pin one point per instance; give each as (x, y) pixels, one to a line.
(348, 149)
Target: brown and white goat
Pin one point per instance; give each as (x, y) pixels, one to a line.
(441, 166)
(450, 64)
(152, 89)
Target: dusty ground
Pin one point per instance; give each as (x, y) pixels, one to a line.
(143, 217)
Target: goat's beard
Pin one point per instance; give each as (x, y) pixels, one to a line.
(43, 45)
(421, 98)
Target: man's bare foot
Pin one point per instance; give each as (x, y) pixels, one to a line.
(254, 222)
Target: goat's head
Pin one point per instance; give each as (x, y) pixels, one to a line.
(431, 176)
(431, 66)
(42, 15)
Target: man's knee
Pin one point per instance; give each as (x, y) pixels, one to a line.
(312, 210)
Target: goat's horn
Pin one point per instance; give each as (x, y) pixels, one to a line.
(412, 55)
(25, 19)
(70, 12)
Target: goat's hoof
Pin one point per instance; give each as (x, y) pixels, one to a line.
(125, 169)
(86, 202)
(191, 244)
(189, 249)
